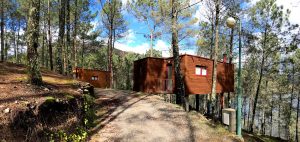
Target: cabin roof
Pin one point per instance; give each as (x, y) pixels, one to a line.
(168, 58)
(91, 69)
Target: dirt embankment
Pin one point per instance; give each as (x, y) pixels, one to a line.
(27, 111)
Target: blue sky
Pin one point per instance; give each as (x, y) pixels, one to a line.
(134, 41)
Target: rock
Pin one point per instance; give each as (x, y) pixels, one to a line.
(15, 86)
(7, 110)
(28, 84)
(46, 89)
(16, 102)
(80, 91)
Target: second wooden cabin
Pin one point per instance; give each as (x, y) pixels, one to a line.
(156, 75)
(98, 78)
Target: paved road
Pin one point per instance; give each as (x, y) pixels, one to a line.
(131, 117)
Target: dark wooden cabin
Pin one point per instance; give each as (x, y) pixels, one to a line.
(98, 78)
(156, 75)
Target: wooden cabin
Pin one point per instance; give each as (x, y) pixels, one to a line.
(98, 78)
(156, 75)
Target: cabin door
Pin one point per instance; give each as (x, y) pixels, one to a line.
(169, 78)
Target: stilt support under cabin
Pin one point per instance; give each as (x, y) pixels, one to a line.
(187, 103)
(197, 102)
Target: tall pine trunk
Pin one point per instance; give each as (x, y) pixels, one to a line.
(291, 102)
(50, 36)
(249, 108)
(82, 52)
(297, 118)
(272, 104)
(279, 117)
(17, 43)
(43, 44)
(34, 75)
(67, 70)
(259, 81)
(179, 85)
(215, 58)
(61, 33)
(74, 51)
(2, 30)
(110, 54)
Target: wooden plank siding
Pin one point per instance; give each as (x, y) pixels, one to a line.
(154, 77)
(86, 75)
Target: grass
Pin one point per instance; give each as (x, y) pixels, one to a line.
(51, 80)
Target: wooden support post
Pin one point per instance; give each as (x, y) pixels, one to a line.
(197, 102)
(222, 100)
(187, 103)
(221, 104)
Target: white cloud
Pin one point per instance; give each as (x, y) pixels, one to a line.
(163, 47)
(140, 49)
(129, 36)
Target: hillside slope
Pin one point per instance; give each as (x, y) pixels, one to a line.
(16, 96)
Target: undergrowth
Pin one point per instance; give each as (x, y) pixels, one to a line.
(81, 132)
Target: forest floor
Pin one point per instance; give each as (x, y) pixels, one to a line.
(16, 94)
(135, 117)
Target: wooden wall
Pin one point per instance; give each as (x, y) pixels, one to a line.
(150, 74)
(195, 84)
(87, 74)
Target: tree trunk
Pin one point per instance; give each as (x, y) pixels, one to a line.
(110, 44)
(259, 81)
(15, 40)
(43, 46)
(212, 38)
(272, 104)
(74, 52)
(249, 108)
(291, 102)
(50, 37)
(82, 52)
(110, 54)
(297, 118)
(179, 85)
(245, 113)
(61, 33)
(279, 121)
(34, 75)
(2, 30)
(215, 56)
(67, 70)
(17, 43)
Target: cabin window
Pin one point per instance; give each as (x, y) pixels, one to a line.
(201, 70)
(94, 77)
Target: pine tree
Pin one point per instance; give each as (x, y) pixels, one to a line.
(61, 33)
(2, 24)
(115, 25)
(34, 75)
